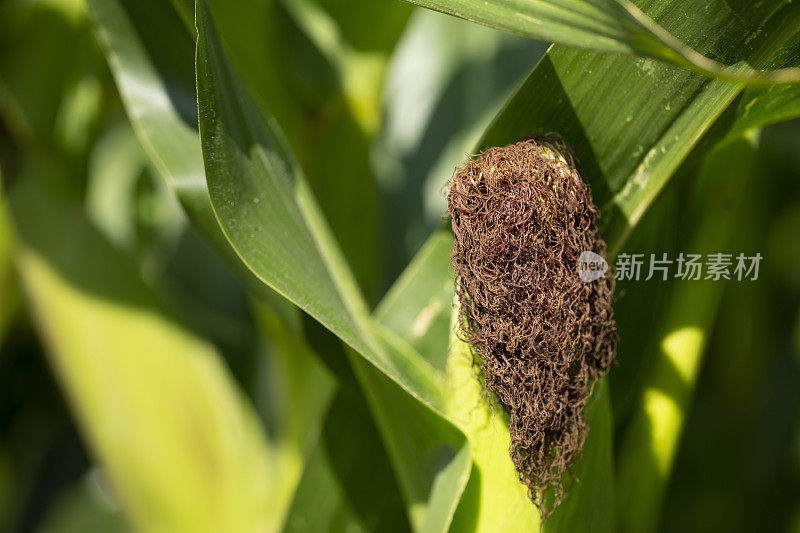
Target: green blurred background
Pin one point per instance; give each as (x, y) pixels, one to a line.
(393, 112)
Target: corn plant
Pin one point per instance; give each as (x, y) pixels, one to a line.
(227, 223)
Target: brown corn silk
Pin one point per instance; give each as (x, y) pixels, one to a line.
(522, 215)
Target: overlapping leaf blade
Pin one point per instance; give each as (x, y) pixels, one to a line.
(150, 54)
(8, 288)
(271, 219)
(267, 212)
(155, 402)
(357, 483)
(649, 446)
(616, 26)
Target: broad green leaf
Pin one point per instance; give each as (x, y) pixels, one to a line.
(152, 65)
(418, 307)
(615, 26)
(268, 214)
(258, 40)
(150, 52)
(431, 458)
(296, 392)
(307, 91)
(155, 403)
(650, 441)
(137, 67)
(339, 86)
(347, 487)
(151, 57)
(418, 310)
(158, 91)
(759, 107)
(9, 297)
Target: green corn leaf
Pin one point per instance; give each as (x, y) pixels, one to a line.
(266, 210)
(135, 67)
(650, 441)
(297, 391)
(9, 297)
(418, 306)
(155, 403)
(150, 56)
(615, 26)
(347, 487)
(323, 94)
(431, 458)
(759, 107)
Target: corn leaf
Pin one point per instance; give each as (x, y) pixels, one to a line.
(347, 487)
(418, 306)
(155, 403)
(150, 54)
(267, 212)
(269, 215)
(9, 298)
(650, 441)
(615, 26)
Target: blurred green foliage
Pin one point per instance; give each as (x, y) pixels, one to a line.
(378, 101)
